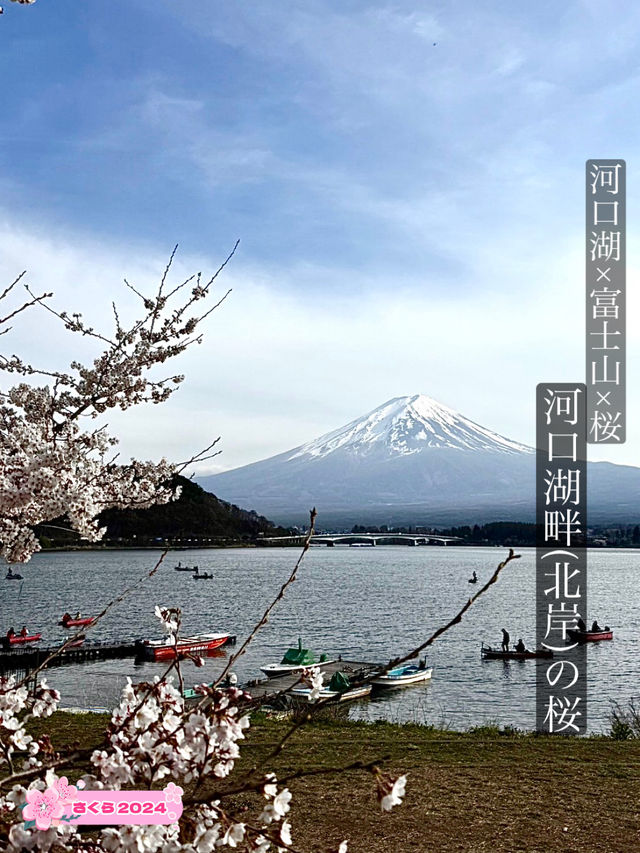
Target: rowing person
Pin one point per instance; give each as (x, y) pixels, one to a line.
(595, 628)
(505, 640)
(23, 631)
(581, 626)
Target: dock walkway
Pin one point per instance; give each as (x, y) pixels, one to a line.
(270, 690)
(28, 657)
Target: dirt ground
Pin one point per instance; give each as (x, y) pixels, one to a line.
(474, 792)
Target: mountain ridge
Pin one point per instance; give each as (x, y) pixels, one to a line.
(412, 460)
(417, 418)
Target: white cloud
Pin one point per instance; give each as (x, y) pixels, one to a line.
(282, 365)
(450, 177)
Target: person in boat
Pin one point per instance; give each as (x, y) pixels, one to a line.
(581, 626)
(520, 646)
(10, 633)
(505, 640)
(23, 631)
(78, 615)
(474, 578)
(595, 628)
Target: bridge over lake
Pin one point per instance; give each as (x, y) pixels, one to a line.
(363, 539)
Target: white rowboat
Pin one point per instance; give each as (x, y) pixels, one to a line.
(403, 676)
(273, 670)
(340, 696)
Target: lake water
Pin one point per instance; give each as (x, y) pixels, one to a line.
(367, 604)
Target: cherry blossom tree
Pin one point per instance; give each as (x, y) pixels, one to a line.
(53, 462)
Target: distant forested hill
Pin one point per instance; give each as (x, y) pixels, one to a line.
(196, 515)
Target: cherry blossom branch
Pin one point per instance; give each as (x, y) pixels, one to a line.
(35, 300)
(456, 619)
(41, 425)
(117, 600)
(258, 784)
(265, 616)
(34, 772)
(199, 457)
(316, 706)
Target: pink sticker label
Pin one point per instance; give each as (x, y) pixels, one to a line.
(126, 807)
(64, 803)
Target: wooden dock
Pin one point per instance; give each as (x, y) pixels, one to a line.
(271, 690)
(29, 657)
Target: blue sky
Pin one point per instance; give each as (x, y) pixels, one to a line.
(411, 215)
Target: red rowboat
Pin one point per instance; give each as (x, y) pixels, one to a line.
(590, 636)
(197, 644)
(16, 639)
(75, 623)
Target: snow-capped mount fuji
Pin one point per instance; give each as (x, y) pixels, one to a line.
(412, 460)
(407, 425)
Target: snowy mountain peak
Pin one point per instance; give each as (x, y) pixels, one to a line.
(407, 425)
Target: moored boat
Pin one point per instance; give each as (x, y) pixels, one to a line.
(497, 654)
(193, 693)
(339, 689)
(403, 676)
(198, 643)
(591, 636)
(295, 660)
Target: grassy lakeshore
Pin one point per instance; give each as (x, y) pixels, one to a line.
(476, 791)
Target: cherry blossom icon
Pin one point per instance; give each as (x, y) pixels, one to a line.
(43, 807)
(173, 793)
(67, 793)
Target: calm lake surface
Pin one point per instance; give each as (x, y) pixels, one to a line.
(367, 604)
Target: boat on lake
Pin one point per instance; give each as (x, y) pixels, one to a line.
(403, 676)
(205, 576)
(21, 639)
(339, 689)
(181, 568)
(165, 649)
(295, 660)
(497, 654)
(13, 576)
(68, 621)
(591, 636)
